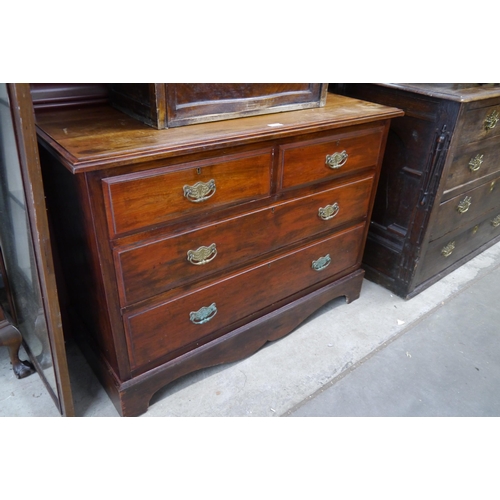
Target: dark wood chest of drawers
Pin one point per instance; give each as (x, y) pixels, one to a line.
(438, 201)
(189, 247)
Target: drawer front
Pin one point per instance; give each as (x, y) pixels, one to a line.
(324, 159)
(149, 269)
(479, 124)
(470, 166)
(160, 331)
(466, 207)
(444, 252)
(141, 200)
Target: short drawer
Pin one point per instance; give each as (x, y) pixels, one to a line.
(466, 207)
(322, 159)
(145, 199)
(444, 252)
(474, 164)
(159, 331)
(156, 266)
(479, 124)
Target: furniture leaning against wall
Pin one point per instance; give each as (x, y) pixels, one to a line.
(191, 246)
(438, 201)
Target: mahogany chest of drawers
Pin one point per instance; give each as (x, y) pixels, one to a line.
(438, 200)
(189, 247)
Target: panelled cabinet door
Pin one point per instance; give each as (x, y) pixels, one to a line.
(25, 243)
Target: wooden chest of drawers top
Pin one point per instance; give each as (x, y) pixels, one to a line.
(99, 137)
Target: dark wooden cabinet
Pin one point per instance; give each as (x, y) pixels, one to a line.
(188, 247)
(438, 201)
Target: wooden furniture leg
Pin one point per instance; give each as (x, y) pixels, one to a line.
(11, 338)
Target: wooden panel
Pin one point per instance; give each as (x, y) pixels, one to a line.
(189, 103)
(143, 101)
(156, 266)
(159, 331)
(63, 95)
(475, 201)
(474, 127)
(306, 162)
(140, 200)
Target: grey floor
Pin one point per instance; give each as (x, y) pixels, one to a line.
(434, 355)
(447, 365)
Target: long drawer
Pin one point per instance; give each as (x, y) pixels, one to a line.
(444, 252)
(323, 159)
(472, 164)
(144, 199)
(153, 267)
(466, 207)
(159, 331)
(480, 123)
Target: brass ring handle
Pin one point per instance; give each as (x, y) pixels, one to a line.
(448, 249)
(496, 221)
(202, 255)
(201, 191)
(329, 212)
(336, 160)
(464, 205)
(203, 315)
(475, 163)
(321, 263)
(491, 120)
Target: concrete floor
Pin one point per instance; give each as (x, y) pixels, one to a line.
(434, 355)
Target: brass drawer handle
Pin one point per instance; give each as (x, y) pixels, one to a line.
(464, 205)
(496, 221)
(336, 160)
(329, 212)
(321, 263)
(203, 255)
(475, 163)
(491, 120)
(203, 315)
(201, 191)
(448, 249)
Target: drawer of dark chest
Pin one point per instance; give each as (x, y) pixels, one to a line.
(480, 123)
(473, 164)
(444, 252)
(466, 207)
(145, 199)
(156, 266)
(157, 332)
(323, 159)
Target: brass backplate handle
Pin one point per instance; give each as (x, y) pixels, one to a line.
(496, 221)
(336, 160)
(475, 163)
(200, 191)
(464, 205)
(321, 263)
(491, 120)
(203, 315)
(448, 249)
(202, 255)
(329, 212)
